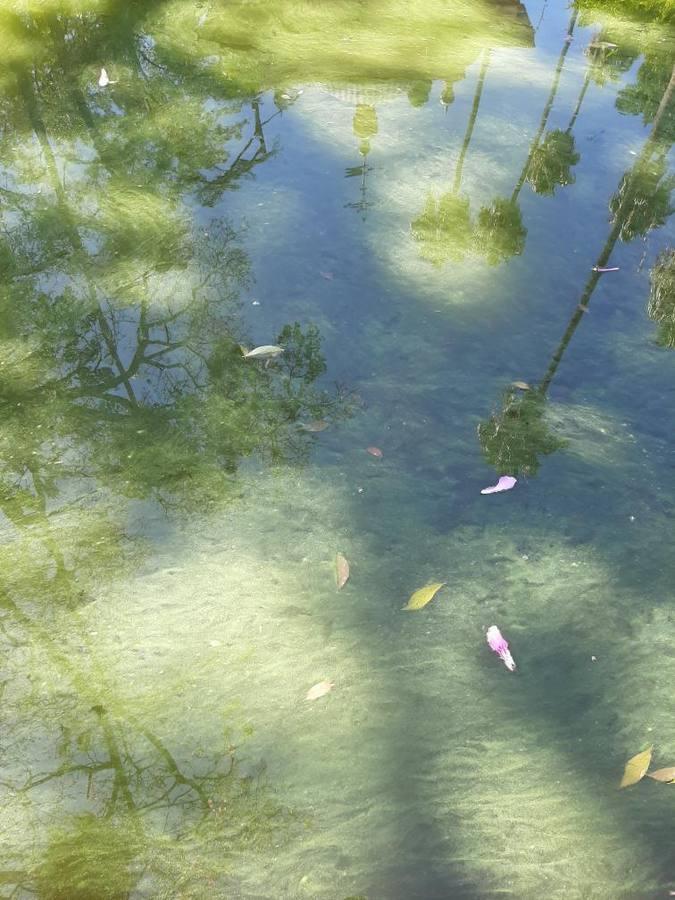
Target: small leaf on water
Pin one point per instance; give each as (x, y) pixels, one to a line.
(667, 775)
(374, 451)
(320, 690)
(521, 385)
(266, 351)
(317, 425)
(341, 570)
(424, 595)
(636, 768)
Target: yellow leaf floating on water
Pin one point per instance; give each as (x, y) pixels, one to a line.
(320, 690)
(667, 775)
(636, 768)
(424, 595)
(341, 570)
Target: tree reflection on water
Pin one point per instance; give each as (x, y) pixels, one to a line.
(515, 437)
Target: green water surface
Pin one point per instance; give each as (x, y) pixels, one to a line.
(409, 197)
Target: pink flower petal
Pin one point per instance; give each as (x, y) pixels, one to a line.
(495, 639)
(505, 483)
(497, 643)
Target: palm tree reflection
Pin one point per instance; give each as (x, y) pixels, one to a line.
(443, 229)
(365, 127)
(515, 437)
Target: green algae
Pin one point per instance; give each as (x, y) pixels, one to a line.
(661, 306)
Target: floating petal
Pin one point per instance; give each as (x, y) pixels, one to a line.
(498, 643)
(267, 351)
(505, 483)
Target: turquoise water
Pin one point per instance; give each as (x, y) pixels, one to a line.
(410, 200)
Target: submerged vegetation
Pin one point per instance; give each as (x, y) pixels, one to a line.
(630, 11)
(661, 307)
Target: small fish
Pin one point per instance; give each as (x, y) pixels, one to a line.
(605, 268)
(521, 385)
(341, 571)
(505, 483)
(374, 451)
(103, 80)
(267, 351)
(316, 425)
(327, 275)
(498, 644)
(320, 690)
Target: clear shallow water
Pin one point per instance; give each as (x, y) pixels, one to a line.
(410, 199)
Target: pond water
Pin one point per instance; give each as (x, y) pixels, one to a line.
(409, 198)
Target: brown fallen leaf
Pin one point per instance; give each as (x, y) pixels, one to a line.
(521, 385)
(374, 451)
(636, 768)
(341, 570)
(316, 425)
(667, 775)
(320, 690)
